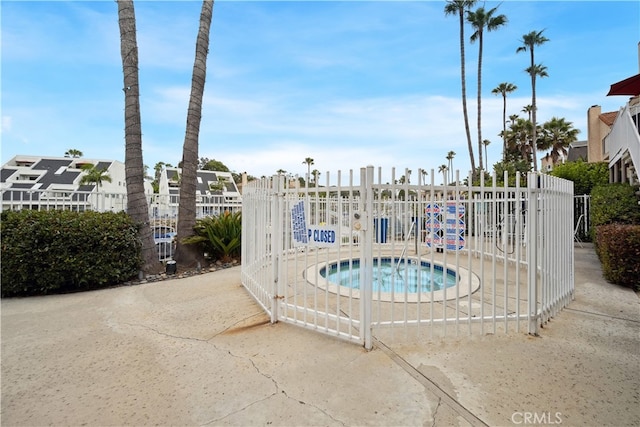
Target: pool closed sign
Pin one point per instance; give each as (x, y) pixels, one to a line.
(312, 235)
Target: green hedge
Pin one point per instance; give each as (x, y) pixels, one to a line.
(47, 252)
(614, 203)
(618, 247)
(585, 176)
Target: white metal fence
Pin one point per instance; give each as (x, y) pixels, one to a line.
(357, 258)
(582, 217)
(163, 209)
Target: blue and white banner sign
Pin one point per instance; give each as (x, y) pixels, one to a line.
(315, 235)
(299, 225)
(445, 225)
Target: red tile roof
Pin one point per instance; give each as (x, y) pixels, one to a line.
(609, 118)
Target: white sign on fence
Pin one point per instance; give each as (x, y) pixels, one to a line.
(299, 225)
(315, 235)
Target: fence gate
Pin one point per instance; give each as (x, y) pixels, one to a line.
(356, 256)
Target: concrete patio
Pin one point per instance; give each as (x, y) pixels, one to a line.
(200, 351)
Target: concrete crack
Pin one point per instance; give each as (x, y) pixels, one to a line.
(277, 387)
(316, 407)
(164, 333)
(255, 367)
(244, 408)
(435, 413)
(606, 316)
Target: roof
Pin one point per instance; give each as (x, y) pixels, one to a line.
(48, 172)
(609, 118)
(6, 173)
(205, 179)
(628, 86)
(578, 152)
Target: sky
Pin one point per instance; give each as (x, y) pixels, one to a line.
(348, 84)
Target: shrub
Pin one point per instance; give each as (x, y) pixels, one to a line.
(585, 176)
(219, 236)
(63, 251)
(618, 247)
(614, 203)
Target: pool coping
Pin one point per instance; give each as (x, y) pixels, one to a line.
(313, 277)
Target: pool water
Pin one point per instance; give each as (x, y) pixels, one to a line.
(389, 276)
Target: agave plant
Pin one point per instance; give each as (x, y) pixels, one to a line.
(220, 236)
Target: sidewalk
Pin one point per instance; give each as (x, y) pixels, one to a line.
(200, 351)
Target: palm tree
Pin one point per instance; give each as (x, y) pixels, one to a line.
(405, 179)
(190, 255)
(443, 170)
(557, 134)
(281, 171)
(309, 162)
(137, 206)
(93, 175)
(424, 175)
(529, 42)
(538, 70)
(316, 176)
(73, 153)
(158, 170)
(518, 137)
(503, 89)
(147, 177)
(527, 109)
(486, 143)
(460, 7)
(481, 20)
(450, 156)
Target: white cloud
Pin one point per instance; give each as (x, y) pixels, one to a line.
(6, 124)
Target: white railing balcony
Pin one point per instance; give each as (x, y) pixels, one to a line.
(624, 138)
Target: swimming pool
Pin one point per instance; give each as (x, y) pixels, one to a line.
(392, 275)
(395, 279)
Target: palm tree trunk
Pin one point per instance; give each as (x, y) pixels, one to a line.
(486, 156)
(504, 126)
(137, 205)
(480, 100)
(464, 95)
(189, 255)
(534, 136)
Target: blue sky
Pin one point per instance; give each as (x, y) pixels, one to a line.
(346, 83)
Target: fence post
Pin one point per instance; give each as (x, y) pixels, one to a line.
(276, 242)
(366, 255)
(585, 211)
(532, 252)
